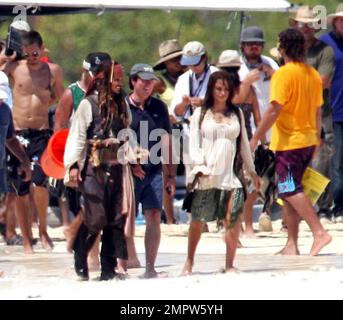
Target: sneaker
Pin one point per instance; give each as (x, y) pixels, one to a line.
(324, 217)
(16, 240)
(339, 218)
(265, 223)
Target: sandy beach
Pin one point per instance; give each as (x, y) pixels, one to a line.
(263, 275)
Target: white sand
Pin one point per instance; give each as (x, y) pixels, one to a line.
(263, 275)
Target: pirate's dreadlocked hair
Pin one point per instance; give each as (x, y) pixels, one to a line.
(112, 106)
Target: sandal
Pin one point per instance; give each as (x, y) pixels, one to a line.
(16, 240)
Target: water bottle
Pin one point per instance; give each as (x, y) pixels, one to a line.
(140, 220)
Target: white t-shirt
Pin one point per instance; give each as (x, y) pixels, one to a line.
(199, 87)
(182, 87)
(4, 85)
(262, 88)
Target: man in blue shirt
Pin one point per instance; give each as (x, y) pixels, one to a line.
(335, 40)
(150, 122)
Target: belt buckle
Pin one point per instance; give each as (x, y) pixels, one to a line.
(109, 155)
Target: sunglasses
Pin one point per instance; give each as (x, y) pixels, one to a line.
(175, 60)
(311, 25)
(34, 54)
(198, 64)
(250, 44)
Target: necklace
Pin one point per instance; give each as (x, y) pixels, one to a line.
(221, 118)
(218, 117)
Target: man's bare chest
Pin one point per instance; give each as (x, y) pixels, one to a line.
(28, 82)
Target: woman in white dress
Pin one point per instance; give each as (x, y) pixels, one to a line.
(218, 148)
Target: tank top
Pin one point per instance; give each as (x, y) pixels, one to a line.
(77, 93)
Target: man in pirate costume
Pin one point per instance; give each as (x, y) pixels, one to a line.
(92, 165)
(68, 104)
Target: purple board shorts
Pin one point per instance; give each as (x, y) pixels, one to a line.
(290, 168)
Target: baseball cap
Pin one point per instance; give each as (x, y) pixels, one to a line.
(192, 53)
(252, 34)
(143, 71)
(95, 60)
(4, 86)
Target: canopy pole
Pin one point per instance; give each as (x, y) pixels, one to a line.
(242, 20)
(241, 27)
(180, 26)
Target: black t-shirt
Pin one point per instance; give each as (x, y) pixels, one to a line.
(149, 125)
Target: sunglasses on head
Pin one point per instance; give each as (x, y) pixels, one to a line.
(33, 54)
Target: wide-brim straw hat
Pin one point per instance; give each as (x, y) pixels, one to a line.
(275, 53)
(339, 13)
(168, 50)
(229, 58)
(305, 14)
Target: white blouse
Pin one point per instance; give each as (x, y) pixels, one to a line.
(213, 149)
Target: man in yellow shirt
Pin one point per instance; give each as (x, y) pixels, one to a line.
(295, 117)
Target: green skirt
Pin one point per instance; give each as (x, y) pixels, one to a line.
(210, 205)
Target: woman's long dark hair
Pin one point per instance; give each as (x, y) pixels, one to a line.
(209, 99)
(112, 106)
(233, 74)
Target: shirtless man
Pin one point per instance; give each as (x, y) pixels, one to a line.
(36, 86)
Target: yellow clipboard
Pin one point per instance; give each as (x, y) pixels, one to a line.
(314, 185)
